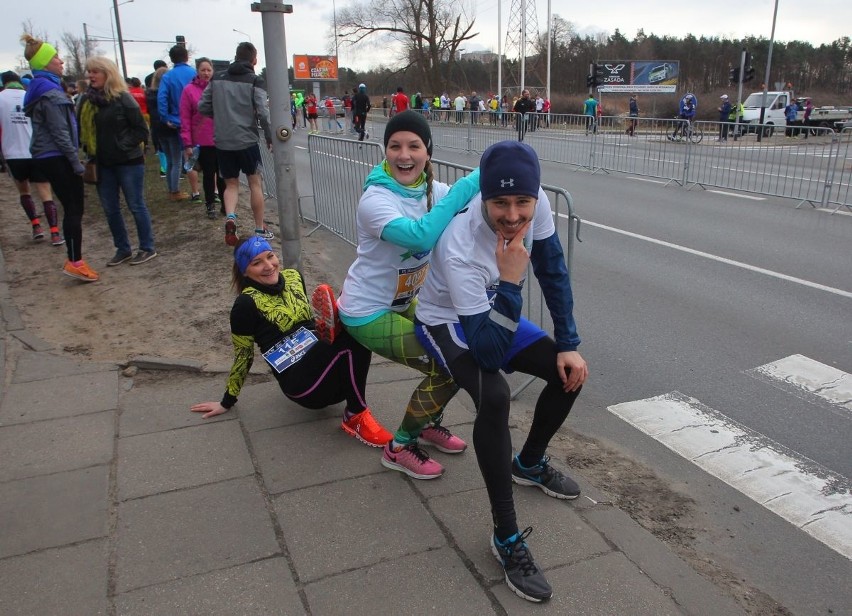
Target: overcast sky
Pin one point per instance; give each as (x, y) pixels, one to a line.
(209, 25)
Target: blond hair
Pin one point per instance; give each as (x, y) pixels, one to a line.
(158, 76)
(114, 83)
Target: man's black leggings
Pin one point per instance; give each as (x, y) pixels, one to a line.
(491, 439)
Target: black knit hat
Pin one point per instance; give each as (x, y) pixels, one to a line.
(509, 168)
(413, 122)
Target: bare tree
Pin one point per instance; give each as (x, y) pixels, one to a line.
(75, 50)
(430, 32)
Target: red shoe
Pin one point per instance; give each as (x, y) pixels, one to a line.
(231, 232)
(366, 429)
(326, 320)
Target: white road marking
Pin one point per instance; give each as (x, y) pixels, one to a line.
(806, 377)
(730, 194)
(707, 255)
(806, 494)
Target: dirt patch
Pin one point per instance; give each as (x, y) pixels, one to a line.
(175, 306)
(667, 514)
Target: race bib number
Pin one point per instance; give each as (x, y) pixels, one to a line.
(290, 350)
(408, 284)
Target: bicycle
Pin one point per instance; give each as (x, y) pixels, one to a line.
(689, 131)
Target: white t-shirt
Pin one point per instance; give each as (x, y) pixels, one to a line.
(16, 127)
(384, 275)
(460, 103)
(464, 264)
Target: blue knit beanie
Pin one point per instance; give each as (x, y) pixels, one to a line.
(509, 168)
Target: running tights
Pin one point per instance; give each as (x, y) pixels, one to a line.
(491, 439)
(392, 336)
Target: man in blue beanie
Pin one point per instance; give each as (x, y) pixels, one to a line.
(469, 318)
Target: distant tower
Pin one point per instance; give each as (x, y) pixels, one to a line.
(521, 36)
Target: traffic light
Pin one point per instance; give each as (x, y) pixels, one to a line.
(180, 40)
(749, 74)
(734, 75)
(590, 81)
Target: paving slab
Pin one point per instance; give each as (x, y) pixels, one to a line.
(56, 445)
(559, 536)
(154, 405)
(442, 585)
(175, 535)
(343, 525)
(261, 588)
(31, 366)
(692, 592)
(53, 510)
(53, 400)
(263, 406)
(67, 580)
(174, 459)
(605, 585)
(311, 453)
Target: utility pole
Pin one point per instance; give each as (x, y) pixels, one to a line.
(120, 41)
(283, 150)
(766, 74)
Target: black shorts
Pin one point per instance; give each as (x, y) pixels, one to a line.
(312, 116)
(232, 162)
(23, 169)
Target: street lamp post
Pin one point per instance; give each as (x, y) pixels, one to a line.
(241, 32)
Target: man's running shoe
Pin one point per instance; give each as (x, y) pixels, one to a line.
(412, 461)
(56, 239)
(522, 576)
(441, 439)
(264, 234)
(326, 320)
(38, 234)
(211, 211)
(80, 272)
(195, 198)
(551, 481)
(231, 232)
(366, 429)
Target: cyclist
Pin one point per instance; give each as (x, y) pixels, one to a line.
(688, 108)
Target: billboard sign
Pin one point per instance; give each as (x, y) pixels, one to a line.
(315, 68)
(639, 75)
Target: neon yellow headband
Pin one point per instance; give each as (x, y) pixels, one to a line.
(42, 57)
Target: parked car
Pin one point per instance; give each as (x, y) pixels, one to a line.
(338, 107)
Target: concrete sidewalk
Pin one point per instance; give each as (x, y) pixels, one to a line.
(115, 499)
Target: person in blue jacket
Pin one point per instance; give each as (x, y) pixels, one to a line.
(791, 112)
(168, 106)
(469, 319)
(687, 109)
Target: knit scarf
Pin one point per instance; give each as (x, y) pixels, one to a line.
(381, 176)
(88, 131)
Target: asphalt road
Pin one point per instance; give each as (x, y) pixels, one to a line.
(692, 291)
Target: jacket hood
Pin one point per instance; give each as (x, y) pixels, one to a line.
(240, 68)
(40, 86)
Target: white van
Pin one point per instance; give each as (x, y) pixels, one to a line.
(774, 114)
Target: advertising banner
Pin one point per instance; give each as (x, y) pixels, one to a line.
(639, 75)
(315, 68)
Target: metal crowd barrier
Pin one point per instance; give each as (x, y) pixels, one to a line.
(809, 168)
(338, 169)
(837, 190)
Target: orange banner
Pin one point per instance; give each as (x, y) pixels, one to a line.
(315, 68)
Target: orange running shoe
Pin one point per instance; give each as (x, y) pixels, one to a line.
(366, 429)
(326, 320)
(80, 272)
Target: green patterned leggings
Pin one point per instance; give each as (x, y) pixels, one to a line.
(392, 336)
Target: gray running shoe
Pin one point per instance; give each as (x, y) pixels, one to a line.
(543, 476)
(522, 576)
